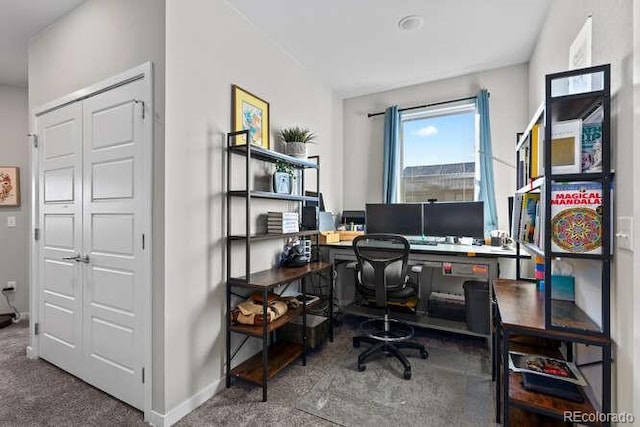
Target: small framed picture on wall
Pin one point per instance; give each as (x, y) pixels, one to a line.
(250, 113)
(9, 186)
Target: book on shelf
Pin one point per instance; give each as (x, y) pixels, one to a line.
(515, 215)
(566, 147)
(546, 366)
(592, 141)
(537, 151)
(576, 217)
(282, 222)
(282, 215)
(529, 212)
(552, 387)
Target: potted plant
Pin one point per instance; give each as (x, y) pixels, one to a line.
(296, 139)
(283, 178)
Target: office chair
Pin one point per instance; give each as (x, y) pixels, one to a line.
(382, 278)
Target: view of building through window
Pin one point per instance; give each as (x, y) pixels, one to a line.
(438, 155)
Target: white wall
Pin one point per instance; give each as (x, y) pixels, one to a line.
(364, 136)
(635, 377)
(14, 242)
(209, 47)
(99, 39)
(612, 43)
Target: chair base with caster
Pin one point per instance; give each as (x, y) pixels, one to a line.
(389, 337)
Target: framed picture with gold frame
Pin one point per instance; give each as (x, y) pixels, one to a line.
(9, 186)
(251, 113)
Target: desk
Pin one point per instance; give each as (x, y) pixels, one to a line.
(520, 310)
(486, 257)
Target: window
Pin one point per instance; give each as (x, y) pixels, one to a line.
(439, 154)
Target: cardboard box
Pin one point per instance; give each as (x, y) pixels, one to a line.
(329, 237)
(317, 330)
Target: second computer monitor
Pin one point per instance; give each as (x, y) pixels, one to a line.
(457, 219)
(396, 218)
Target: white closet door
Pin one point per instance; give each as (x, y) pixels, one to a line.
(60, 218)
(114, 168)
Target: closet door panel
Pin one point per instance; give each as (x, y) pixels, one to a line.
(60, 219)
(113, 324)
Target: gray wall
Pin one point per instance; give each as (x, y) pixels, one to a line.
(14, 242)
(209, 47)
(364, 136)
(99, 39)
(612, 43)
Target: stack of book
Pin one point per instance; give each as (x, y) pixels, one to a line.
(282, 222)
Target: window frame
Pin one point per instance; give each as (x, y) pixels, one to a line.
(457, 107)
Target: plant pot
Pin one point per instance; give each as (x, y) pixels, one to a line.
(297, 149)
(282, 183)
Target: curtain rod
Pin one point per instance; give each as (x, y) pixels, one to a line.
(426, 105)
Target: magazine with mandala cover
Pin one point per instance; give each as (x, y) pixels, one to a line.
(576, 217)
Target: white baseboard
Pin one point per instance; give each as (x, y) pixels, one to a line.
(30, 353)
(182, 409)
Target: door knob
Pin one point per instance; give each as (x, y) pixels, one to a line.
(75, 258)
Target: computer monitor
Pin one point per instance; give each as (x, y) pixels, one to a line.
(319, 196)
(397, 218)
(457, 219)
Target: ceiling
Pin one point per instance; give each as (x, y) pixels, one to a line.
(356, 48)
(19, 21)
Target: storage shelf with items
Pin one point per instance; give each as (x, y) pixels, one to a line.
(578, 191)
(563, 214)
(263, 319)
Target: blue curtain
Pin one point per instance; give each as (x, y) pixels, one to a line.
(487, 186)
(391, 155)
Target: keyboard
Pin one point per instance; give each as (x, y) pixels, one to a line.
(423, 242)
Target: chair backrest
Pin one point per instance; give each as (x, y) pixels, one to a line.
(382, 263)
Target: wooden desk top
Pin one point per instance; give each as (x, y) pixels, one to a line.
(521, 307)
(484, 251)
(277, 276)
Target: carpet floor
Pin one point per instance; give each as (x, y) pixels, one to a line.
(453, 385)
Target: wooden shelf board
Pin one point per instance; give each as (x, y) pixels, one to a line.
(566, 314)
(273, 156)
(544, 403)
(521, 307)
(256, 331)
(523, 418)
(278, 276)
(274, 196)
(268, 236)
(280, 356)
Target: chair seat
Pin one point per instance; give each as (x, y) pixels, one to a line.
(389, 330)
(396, 295)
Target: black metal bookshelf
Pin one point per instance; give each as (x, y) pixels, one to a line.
(570, 95)
(278, 354)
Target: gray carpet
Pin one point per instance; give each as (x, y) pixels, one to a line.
(450, 387)
(446, 389)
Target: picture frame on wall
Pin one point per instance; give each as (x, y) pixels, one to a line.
(9, 186)
(250, 112)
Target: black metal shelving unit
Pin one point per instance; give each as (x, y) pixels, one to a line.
(275, 355)
(567, 318)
